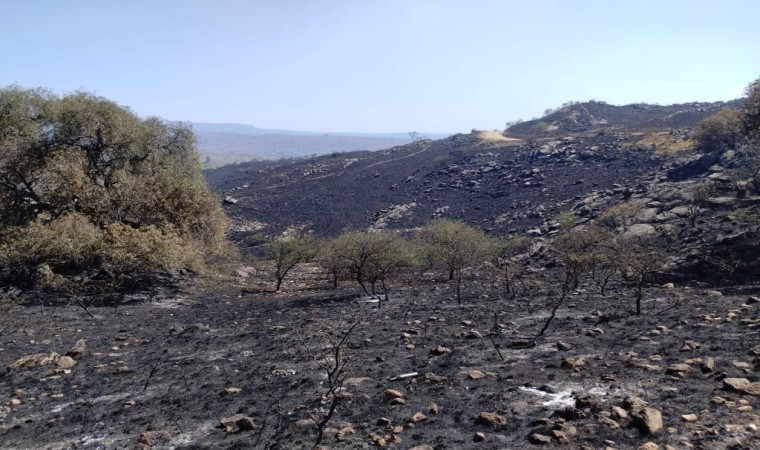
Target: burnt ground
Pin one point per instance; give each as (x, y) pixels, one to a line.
(162, 370)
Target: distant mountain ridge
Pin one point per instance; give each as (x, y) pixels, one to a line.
(228, 143)
(239, 128)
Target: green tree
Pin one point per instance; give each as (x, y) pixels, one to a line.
(750, 129)
(289, 250)
(455, 246)
(84, 159)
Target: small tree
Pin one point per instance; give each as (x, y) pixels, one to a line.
(368, 257)
(455, 246)
(622, 215)
(288, 250)
(750, 129)
(639, 259)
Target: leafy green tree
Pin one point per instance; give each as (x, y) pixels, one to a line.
(455, 246)
(289, 250)
(750, 129)
(367, 257)
(83, 158)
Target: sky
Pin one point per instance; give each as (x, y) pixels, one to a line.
(379, 66)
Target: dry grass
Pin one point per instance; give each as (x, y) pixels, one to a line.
(495, 136)
(663, 142)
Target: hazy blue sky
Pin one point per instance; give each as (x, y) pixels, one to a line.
(385, 65)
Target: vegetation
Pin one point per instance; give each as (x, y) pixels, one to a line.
(85, 183)
(455, 246)
(366, 257)
(720, 131)
(288, 250)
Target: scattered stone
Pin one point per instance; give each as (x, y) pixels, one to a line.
(418, 417)
(154, 438)
(708, 365)
(440, 350)
(380, 440)
(230, 200)
(679, 369)
(398, 401)
(741, 386)
(619, 413)
(356, 381)
(649, 446)
(433, 378)
(476, 374)
(689, 345)
(491, 419)
(755, 351)
(383, 422)
(479, 437)
(66, 362)
(574, 362)
(433, 408)
(422, 447)
(689, 417)
(15, 402)
(393, 393)
(633, 403)
(344, 432)
(306, 423)
(648, 420)
(668, 286)
(752, 300)
(30, 361)
(238, 423)
(78, 350)
(539, 439)
(231, 390)
(564, 346)
(560, 436)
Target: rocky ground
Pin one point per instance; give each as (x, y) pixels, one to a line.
(232, 366)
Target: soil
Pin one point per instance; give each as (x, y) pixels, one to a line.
(162, 369)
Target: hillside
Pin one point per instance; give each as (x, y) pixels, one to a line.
(580, 117)
(523, 356)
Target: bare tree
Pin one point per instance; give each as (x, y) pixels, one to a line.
(335, 365)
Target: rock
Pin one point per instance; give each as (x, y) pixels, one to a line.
(383, 422)
(398, 401)
(380, 440)
(422, 447)
(392, 393)
(78, 350)
(648, 420)
(539, 439)
(560, 436)
(708, 365)
(564, 346)
(231, 391)
(345, 431)
(619, 413)
(39, 359)
(476, 374)
(640, 230)
(433, 408)
(66, 362)
(689, 345)
(689, 417)
(440, 350)
(15, 402)
(755, 351)
(752, 300)
(479, 437)
(418, 417)
(306, 423)
(741, 386)
(491, 419)
(230, 200)
(573, 362)
(633, 403)
(356, 381)
(668, 286)
(238, 423)
(584, 401)
(649, 446)
(154, 438)
(433, 378)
